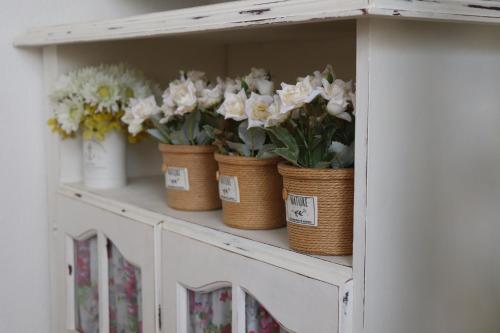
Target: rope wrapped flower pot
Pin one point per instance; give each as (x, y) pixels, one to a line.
(190, 177)
(250, 190)
(319, 209)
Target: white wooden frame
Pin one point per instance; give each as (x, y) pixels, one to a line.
(190, 263)
(249, 13)
(138, 242)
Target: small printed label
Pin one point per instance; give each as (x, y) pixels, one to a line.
(302, 210)
(94, 156)
(228, 189)
(177, 178)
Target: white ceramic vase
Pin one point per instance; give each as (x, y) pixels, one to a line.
(104, 162)
(71, 160)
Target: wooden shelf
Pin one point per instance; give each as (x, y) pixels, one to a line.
(143, 200)
(254, 13)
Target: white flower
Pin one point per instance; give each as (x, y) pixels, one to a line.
(195, 76)
(276, 117)
(257, 109)
(66, 86)
(232, 85)
(103, 92)
(258, 81)
(210, 97)
(295, 96)
(183, 95)
(234, 106)
(138, 111)
(264, 87)
(168, 113)
(69, 114)
(337, 95)
(318, 77)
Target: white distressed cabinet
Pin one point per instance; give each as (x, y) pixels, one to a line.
(427, 185)
(119, 248)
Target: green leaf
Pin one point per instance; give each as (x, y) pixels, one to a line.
(179, 138)
(191, 126)
(286, 144)
(240, 148)
(160, 127)
(267, 151)
(157, 135)
(287, 155)
(254, 138)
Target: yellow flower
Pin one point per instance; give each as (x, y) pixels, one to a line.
(94, 129)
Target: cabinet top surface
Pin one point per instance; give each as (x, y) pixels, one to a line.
(252, 13)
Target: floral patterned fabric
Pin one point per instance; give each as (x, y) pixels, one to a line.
(258, 320)
(210, 312)
(125, 297)
(86, 288)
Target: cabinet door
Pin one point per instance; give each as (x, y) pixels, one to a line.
(207, 289)
(105, 266)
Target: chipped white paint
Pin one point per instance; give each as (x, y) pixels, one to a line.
(251, 13)
(229, 15)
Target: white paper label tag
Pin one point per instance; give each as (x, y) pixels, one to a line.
(228, 188)
(177, 178)
(302, 210)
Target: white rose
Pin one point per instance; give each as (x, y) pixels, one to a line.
(264, 87)
(234, 106)
(138, 111)
(337, 95)
(69, 115)
(195, 76)
(295, 96)
(183, 95)
(275, 116)
(232, 86)
(168, 113)
(257, 109)
(210, 97)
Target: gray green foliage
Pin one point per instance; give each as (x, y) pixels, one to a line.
(306, 140)
(189, 130)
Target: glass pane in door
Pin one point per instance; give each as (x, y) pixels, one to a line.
(210, 312)
(125, 293)
(258, 320)
(86, 287)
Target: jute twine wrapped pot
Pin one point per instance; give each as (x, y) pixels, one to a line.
(250, 190)
(319, 209)
(190, 177)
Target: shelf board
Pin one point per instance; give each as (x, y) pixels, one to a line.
(143, 200)
(254, 13)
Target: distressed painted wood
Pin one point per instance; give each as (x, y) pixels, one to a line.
(299, 303)
(142, 201)
(136, 241)
(230, 15)
(253, 13)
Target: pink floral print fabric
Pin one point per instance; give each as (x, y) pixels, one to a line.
(210, 312)
(125, 293)
(258, 320)
(86, 287)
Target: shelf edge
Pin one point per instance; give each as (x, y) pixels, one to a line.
(311, 267)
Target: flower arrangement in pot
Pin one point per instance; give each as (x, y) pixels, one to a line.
(249, 183)
(92, 100)
(316, 138)
(179, 125)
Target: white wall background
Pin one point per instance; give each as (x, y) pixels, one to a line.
(24, 277)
